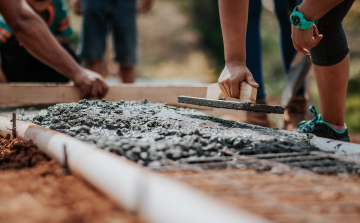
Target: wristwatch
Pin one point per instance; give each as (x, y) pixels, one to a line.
(299, 21)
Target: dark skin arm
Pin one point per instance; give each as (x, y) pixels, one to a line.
(305, 39)
(33, 34)
(233, 16)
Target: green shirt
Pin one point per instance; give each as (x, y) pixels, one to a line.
(58, 23)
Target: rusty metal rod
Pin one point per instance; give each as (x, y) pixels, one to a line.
(14, 125)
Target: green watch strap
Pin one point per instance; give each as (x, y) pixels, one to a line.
(299, 21)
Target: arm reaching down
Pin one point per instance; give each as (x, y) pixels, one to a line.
(313, 10)
(33, 34)
(233, 16)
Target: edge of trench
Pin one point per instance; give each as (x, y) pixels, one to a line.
(154, 197)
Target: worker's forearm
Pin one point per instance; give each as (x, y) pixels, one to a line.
(315, 9)
(234, 16)
(28, 28)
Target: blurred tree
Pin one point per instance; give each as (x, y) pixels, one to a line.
(352, 117)
(206, 20)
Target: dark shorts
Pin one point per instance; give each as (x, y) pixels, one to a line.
(20, 66)
(103, 16)
(333, 48)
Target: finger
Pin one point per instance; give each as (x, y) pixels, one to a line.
(315, 31)
(85, 90)
(300, 49)
(318, 39)
(250, 79)
(102, 89)
(105, 88)
(315, 41)
(94, 90)
(228, 88)
(222, 88)
(234, 90)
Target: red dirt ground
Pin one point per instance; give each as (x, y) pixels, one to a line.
(33, 188)
(300, 197)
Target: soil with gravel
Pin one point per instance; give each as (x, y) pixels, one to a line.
(150, 134)
(33, 188)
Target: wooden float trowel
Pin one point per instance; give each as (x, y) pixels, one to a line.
(217, 99)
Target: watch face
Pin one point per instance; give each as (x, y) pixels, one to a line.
(295, 20)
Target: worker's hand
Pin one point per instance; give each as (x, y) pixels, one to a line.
(91, 84)
(76, 6)
(305, 39)
(145, 5)
(233, 74)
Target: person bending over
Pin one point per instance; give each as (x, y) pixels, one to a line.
(17, 64)
(296, 110)
(101, 17)
(33, 34)
(233, 18)
(331, 61)
(329, 53)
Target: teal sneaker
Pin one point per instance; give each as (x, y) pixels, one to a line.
(321, 128)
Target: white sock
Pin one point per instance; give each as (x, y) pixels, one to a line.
(338, 128)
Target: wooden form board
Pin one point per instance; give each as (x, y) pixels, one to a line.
(17, 95)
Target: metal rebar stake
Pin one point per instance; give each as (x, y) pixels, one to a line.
(14, 125)
(66, 169)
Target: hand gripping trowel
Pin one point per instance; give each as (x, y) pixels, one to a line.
(217, 99)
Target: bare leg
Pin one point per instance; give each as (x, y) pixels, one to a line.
(2, 77)
(96, 65)
(127, 74)
(332, 85)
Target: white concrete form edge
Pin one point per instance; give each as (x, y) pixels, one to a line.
(345, 149)
(156, 198)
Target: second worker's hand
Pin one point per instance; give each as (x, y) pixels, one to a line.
(233, 74)
(91, 84)
(305, 39)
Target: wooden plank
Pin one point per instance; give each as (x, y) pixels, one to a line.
(17, 95)
(340, 148)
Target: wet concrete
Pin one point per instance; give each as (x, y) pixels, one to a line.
(151, 134)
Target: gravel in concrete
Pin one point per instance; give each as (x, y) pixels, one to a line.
(150, 134)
